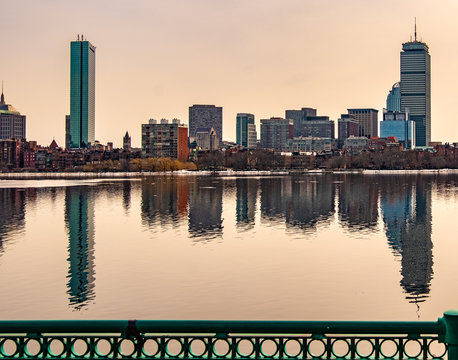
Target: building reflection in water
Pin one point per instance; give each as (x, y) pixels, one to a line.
(205, 208)
(406, 209)
(358, 202)
(246, 197)
(301, 202)
(12, 213)
(164, 200)
(79, 221)
(126, 191)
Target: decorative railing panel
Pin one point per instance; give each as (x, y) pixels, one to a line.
(149, 339)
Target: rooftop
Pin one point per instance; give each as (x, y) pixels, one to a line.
(7, 108)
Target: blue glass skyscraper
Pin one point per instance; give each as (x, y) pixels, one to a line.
(246, 130)
(393, 100)
(81, 130)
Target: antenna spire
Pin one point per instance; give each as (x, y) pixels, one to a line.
(415, 29)
(2, 98)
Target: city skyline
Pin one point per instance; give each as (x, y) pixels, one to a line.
(312, 56)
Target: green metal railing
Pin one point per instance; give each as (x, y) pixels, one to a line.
(156, 339)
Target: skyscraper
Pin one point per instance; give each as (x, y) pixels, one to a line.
(12, 123)
(347, 126)
(416, 87)
(367, 120)
(393, 100)
(399, 125)
(165, 140)
(246, 130)
(275, 132)
(82, 94)
(299, 117)
(201, 116)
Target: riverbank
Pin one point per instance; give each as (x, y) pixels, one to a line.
(223, 173)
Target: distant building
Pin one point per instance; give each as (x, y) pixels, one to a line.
(356, 144)
(126, 142)
(347, 126)
(298, 117)
(398, 125)
(81, 130)
(275, 132)
(367, 120)
(206, 139)
(311, 144)
(416, 88)
(67, 131)
(318, 126)
(205, 116)
(165, 140)
(246, 130)
(393, 100)
(53, 145)
(10, 153)
(380, 144)
(12, 123)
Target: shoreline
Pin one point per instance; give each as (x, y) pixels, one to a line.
(222, 173)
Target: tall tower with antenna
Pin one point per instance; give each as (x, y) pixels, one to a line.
(80, 131)
(416, 87)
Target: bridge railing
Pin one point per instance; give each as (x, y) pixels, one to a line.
(176, 339)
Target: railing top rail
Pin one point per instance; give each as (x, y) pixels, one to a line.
(221, 326)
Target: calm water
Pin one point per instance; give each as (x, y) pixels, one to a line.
(312, 247)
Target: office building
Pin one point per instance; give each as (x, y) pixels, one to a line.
(206, 139)
(356, 144)
(416, 88)
(397, 124)
(311, 144)
(367, 120)
(165, 140)
(81, 129)
(298, 117)
(393, 100)
(347, 126)
(206, 116)
(246, 135)
(12, 123)
(318, 126)
(275, 132)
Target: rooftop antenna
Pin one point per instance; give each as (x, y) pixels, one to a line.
(415, 29)
(2, 97)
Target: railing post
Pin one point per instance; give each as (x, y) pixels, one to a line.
(451, 333)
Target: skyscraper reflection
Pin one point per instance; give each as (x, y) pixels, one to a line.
(12, 213)
(247, 194)
(79, 222)
(126, 191)
(358, 202)
(300, 202)
(206, 208)
(406, 209)
(164, 200)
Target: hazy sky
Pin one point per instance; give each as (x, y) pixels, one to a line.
(156, 58)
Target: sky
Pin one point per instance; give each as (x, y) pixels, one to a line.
(155, 58)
